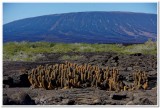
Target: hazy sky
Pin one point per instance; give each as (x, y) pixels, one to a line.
(15, 11)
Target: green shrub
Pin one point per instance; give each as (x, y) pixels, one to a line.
(30, 51)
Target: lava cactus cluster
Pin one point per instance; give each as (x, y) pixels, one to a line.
(72, 75)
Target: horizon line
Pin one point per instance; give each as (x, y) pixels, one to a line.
(80, 12)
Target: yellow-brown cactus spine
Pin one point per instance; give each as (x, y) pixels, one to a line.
(82, 76)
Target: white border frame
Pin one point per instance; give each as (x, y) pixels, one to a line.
(80, 1)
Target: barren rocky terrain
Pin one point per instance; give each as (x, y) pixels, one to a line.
(17, 90)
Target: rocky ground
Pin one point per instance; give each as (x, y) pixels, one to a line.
(17, 90)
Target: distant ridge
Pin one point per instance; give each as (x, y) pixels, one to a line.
(87, 27)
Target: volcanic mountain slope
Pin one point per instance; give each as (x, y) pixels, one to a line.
(88, 27)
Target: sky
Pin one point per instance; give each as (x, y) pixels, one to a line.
(16, 11)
